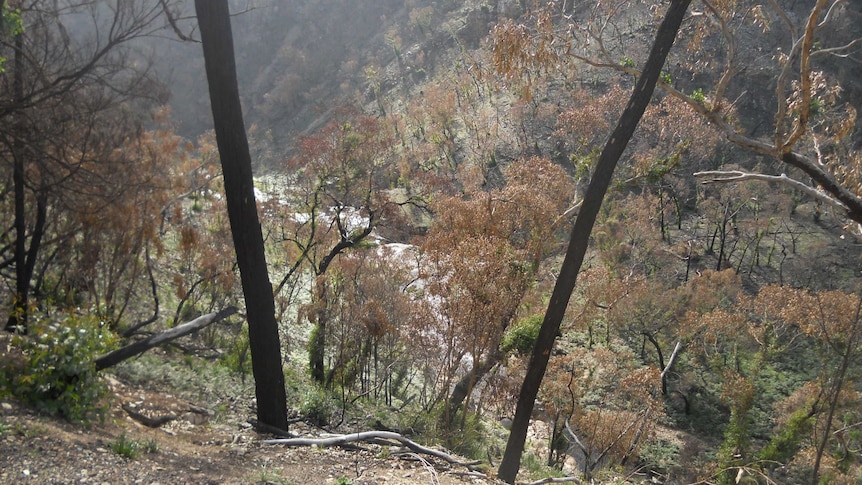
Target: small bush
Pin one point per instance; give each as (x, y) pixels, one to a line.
(659, 455)
(521, 337)
(318, 406)
(58, 374)
(129, 448)
(151, 446)
(125, 447)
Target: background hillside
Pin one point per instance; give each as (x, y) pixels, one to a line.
(419, 165)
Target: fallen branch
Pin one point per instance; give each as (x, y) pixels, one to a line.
(379, 437)
(141, 346)
(556, 480)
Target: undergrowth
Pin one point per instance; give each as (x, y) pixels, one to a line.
(57, 374)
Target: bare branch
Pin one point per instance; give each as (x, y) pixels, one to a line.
(141, 346)
(805, 78)
(836, 51)
(556, 480)
(172, 20)
(730, 40)
(376, 436)
(781, 13)
(724, 176)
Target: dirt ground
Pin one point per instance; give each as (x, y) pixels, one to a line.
(198, 447)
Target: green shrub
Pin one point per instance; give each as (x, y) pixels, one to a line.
(238, 356)
(521, 337)
(665, 78)
(318, 406)
(125, 447)
(787, 441)
(129, 447)
(659, 455)
(58, 373)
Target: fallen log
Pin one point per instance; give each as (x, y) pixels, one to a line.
(113, 358)
(376, 437)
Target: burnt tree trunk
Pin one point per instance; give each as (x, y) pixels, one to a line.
(17, 321)
(217, 40)
(580, 236)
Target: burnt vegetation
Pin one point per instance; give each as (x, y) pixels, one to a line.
(418, 167)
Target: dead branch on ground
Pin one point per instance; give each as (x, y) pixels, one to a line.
(375, 437)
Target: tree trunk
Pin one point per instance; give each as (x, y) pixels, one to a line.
(581, 234)
(217, 41)
(469, 381)
(17, 321)
(317, 346)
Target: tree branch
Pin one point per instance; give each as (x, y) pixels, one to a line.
(371, 436)
(141, 346)
(724, 176)
(556, 480)
(669, 366)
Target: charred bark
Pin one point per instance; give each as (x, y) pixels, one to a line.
(217, 42)
(581, 233)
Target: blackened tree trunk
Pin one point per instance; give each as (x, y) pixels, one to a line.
(217, 40)
(18, 316)
(580, 236)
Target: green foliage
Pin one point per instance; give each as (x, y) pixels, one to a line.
(125, 447)
(661, 167)
(267, 474)
(129, 448)
(583, 163)
(659, 455)
(628, 62)
(816, 107)
(666, 78)
(343, 481)
(12, 22)
(10, 25)
(59, 374)
(238, 356)
(536, 468)
(521, 337)
(466, 435)
(733, 450)
(787, 441)
(151, 446)
(318, 406)
(698, 96)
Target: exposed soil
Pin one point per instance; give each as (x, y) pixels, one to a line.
(197, 447)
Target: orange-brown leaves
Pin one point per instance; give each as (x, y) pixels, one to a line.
(521, 53)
